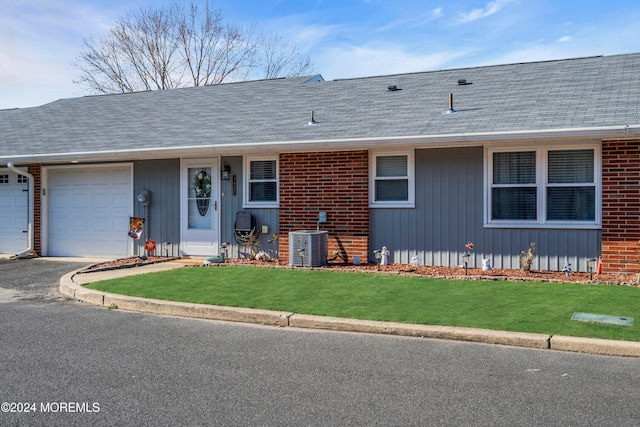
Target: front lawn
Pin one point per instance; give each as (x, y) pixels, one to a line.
(510, 306)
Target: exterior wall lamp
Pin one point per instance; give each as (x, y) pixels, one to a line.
(465, 260)
(224, 251)
(226, 170)
(378, 254)
(591, 263)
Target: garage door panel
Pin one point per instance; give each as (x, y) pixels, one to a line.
(13, 213)
(99, 223)
(79, 200)
(89, 212)
(121, 176)
(20, 201)
(120, 223)
(120, 200)
(100, 201)
(11, 223)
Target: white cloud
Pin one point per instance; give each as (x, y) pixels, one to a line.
(475, 14)
(39, 40)
(565, 39)
(356, 61)
(414, 22)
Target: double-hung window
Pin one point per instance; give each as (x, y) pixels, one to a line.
(261, 182)
(571, 188)
(545, 186)
(392, 179)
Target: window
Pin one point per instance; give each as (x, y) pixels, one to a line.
(571, 189)
(514, 186)
(392, 179)
(4, 179)
(545, 186)
(261, 180)
(22, 179)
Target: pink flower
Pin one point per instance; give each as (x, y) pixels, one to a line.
(469, 246)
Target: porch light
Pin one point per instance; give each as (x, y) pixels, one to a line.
(226, 170)
(591, 263)
(378, 254)
(465, 260)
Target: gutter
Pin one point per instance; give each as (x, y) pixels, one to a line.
(422, 141)
(28, 252)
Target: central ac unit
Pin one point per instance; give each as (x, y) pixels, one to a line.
(308, 248)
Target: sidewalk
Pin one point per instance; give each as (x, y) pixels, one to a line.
(71, 285)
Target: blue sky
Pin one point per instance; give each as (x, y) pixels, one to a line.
(345, 38)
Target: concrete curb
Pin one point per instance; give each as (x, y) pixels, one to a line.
(596, 346)
(424, 331)
(276, 318)
(171, 308)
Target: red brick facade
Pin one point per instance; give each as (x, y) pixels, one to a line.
(336, 183)
(621, 206)
(36, 171)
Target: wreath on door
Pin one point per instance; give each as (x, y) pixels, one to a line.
(202, 189)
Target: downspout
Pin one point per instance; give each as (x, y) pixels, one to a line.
(27, 253)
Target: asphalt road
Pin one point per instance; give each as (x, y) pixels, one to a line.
(73, 364)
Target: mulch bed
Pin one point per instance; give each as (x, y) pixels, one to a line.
(133, 261)
(427, 271)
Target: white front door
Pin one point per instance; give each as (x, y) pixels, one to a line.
(199, 215)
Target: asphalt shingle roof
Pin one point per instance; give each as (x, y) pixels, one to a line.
(574, 93)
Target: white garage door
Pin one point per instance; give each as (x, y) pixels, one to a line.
(88, 211)
(13, 212)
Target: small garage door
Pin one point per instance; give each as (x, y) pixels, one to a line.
(88, 211)
(13, 212)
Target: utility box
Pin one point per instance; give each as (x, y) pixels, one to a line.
(308, 248)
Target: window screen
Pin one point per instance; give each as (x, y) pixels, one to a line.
(571, 190)
(392, 178)
(263, 184)
(514, 194)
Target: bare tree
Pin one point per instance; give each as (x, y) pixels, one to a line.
(182, 45)
(280, 58)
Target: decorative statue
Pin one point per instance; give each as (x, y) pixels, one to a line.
(385, 256)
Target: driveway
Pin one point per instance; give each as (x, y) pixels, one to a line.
(70, 364)
(34, 279)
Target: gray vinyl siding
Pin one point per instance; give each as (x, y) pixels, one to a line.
(449, 213)
(231, 203)
(162, 179)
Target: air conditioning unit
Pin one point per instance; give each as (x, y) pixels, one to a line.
(308, 248)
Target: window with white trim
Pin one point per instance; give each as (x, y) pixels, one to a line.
(392, 179)
(261, 182)
(4, 179)
(543, 186)
(22, 179)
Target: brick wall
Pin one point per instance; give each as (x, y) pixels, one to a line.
(621, 206)
(36, 171)
(335, 182)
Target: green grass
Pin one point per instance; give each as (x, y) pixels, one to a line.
(509, 306)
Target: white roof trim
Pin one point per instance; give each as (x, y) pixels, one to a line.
(333, 144)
